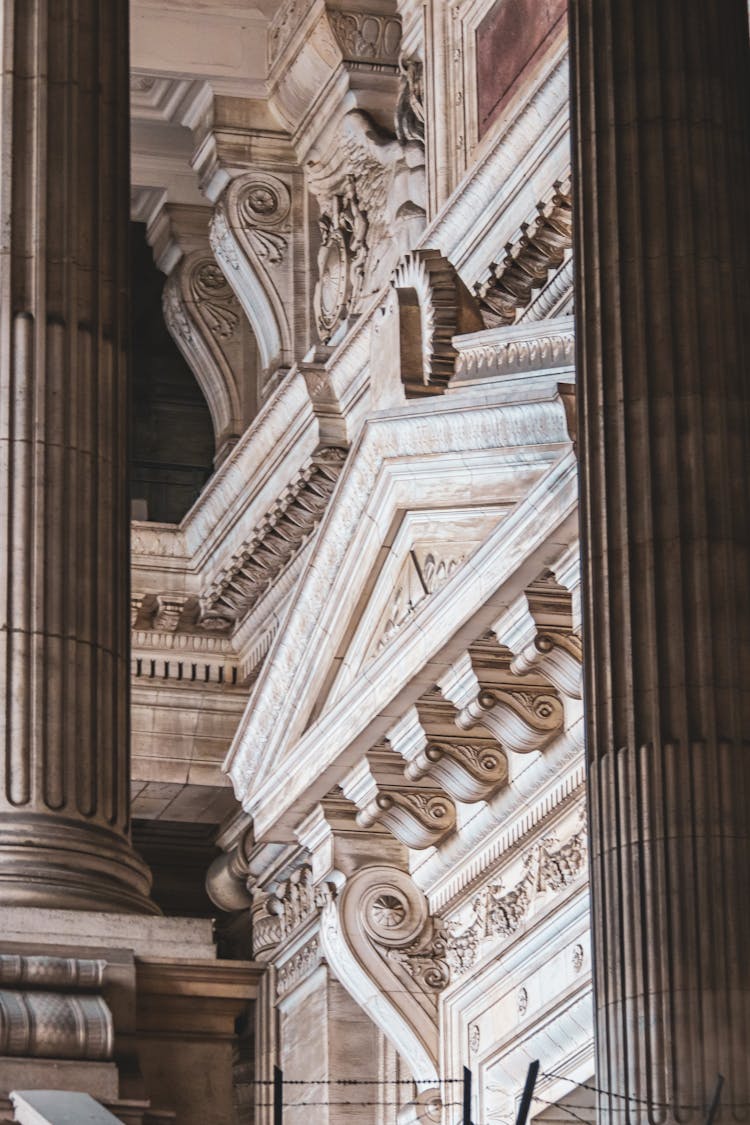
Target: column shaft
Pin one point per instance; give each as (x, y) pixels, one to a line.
(661, 147)
(64, 582)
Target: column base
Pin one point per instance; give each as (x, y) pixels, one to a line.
(61, 863)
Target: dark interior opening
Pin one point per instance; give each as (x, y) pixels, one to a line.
(172, 442)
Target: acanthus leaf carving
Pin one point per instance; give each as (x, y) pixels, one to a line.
(216, 301)
(469, 771)
(293, 905)
(252, 235)
(204, 318)
(498, 913)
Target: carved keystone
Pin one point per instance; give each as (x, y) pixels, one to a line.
(469, 770)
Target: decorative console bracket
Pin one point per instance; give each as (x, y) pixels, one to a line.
(380, 941)
(419, 815)
(470, 770)
(537, 628)
(253, 239)
(520, 719)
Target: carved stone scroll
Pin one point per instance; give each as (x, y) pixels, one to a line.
(537, 628)
(420, 816)
(253, 239)
(470, 770)
(207, 324)
(390, 955)
(521, 719)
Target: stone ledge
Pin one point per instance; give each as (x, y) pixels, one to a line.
(145, 936)
(100, 1079)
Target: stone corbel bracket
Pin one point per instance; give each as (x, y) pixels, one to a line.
(540, 635)
(207, 324)
(419, 815)
(468, 771)
(381, 943)
(433, 306)
(521, 720)
(252, 238)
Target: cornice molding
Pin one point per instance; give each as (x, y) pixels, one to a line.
(495, 198)
(294, 666)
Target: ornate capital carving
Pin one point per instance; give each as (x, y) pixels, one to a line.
(285, 912)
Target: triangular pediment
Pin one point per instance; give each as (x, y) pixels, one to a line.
(403, 558)
(427, 549)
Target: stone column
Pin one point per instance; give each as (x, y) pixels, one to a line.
(661, 138)
(64, 200)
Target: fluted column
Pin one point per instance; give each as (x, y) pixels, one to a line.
(660, 139)
(64, 200)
